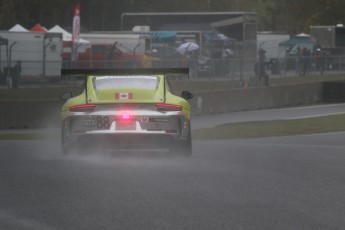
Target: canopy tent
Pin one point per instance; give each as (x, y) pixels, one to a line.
(18, 28)
(38, 28)
(297, 40)
(162, 36)
(66, 36)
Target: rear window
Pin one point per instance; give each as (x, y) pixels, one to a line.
(117, 82)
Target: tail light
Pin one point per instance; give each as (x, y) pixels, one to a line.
(82, 108)
(168, 107)
(125, 117)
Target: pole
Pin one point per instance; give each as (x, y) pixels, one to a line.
(0, 65)
(9, 57)
(44, 57)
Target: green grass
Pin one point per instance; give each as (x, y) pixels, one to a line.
(334, 123)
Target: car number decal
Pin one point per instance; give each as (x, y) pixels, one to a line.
(101, 122)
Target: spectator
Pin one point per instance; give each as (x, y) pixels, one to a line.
(306, 59)
(260, 68)
(321, 60)
(16, 74)
(226, 57)
(150, 59)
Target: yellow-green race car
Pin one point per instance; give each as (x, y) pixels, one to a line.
(126, 109)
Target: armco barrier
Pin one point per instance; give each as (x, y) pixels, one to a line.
(21, 108)
(334, 91)
(222, 101)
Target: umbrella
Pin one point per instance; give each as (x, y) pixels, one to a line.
(187, 46)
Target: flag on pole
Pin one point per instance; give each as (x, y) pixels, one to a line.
(76, 31)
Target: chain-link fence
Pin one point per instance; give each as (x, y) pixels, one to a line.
(200, 69)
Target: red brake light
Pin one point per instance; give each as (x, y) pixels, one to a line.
(168, 107)
(82, 108)
(125, 116)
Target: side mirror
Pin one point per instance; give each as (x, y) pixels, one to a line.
(65, 96)
(186, 95)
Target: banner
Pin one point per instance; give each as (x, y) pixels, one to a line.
(76, 31)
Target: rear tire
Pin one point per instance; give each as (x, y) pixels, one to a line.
(65, 146)
(184, 148)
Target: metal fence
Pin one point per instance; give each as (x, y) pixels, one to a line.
(229, 68)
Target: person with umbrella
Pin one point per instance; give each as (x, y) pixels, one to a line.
(189, 50)
(187, 47)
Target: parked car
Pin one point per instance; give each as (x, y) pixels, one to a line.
(104, 56)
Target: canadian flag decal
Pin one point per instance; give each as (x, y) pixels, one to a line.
(123, 96)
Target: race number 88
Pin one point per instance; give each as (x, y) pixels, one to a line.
(102, 122)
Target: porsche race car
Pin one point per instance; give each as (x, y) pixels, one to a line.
(120, 109)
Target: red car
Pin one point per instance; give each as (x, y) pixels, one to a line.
(104, 56)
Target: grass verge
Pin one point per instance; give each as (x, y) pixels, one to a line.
(325, 124)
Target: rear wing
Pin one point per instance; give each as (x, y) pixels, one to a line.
(171, 73)
(95, 72)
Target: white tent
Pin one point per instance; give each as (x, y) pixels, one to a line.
(66, 36)
(18, 28)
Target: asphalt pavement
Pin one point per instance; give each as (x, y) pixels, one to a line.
(258, 183)
(266, 183)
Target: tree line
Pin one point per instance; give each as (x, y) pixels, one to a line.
(290, 16)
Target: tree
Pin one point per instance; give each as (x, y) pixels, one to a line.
(6, 15)
(292, 16)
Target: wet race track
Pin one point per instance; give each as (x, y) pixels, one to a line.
(269, 183)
